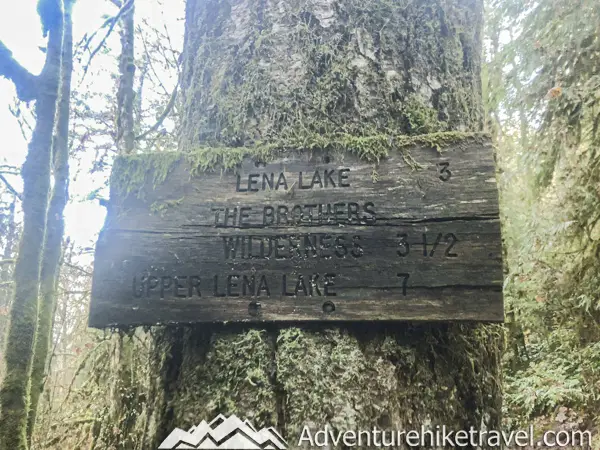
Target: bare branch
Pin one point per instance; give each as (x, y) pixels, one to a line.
(113, 23)
(162, 117)
(157, 78)
(72, 266)
(175, 54)
(24, 126)
(9, 170)
(75, 292)
(10, 188)
(24, 81)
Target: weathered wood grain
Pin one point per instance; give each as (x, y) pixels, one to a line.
(388, 242)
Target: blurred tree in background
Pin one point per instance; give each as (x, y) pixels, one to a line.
(542, 87)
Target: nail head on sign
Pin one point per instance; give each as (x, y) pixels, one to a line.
(254, 308)
(328, 307)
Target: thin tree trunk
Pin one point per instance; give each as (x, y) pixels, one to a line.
(9, 244)
(125, 94)
(55, 221)
(15, 391)
(6, 288)
(260, 71)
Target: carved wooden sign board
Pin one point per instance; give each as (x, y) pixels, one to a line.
(308, 236)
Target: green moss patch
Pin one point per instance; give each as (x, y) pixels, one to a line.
(132, 174)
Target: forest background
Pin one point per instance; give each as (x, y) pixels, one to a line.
(541, 81)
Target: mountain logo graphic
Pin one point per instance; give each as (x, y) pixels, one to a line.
(224, 433)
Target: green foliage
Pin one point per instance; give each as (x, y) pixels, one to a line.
(555, 375)
(543, 105)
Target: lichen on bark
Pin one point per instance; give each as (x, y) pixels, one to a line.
(50, 265)
(391, 377)
(260, 70)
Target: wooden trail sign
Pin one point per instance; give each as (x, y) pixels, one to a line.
(310, 235)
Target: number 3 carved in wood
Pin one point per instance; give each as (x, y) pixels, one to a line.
(445, 173)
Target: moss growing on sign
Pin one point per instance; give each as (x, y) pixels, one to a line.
(162, 207)
(225, 158)
(133, 174)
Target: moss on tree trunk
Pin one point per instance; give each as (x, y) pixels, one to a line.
(257, 71)
(20, 342)
(55, 224)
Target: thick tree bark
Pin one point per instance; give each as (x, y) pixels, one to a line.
(258, 71)
(254, 70)
(15, 391)
(55, 224)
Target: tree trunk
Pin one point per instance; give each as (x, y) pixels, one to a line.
(6, 287)
(16, 386)
(55, 224)
(259, 71)
(125, 93)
